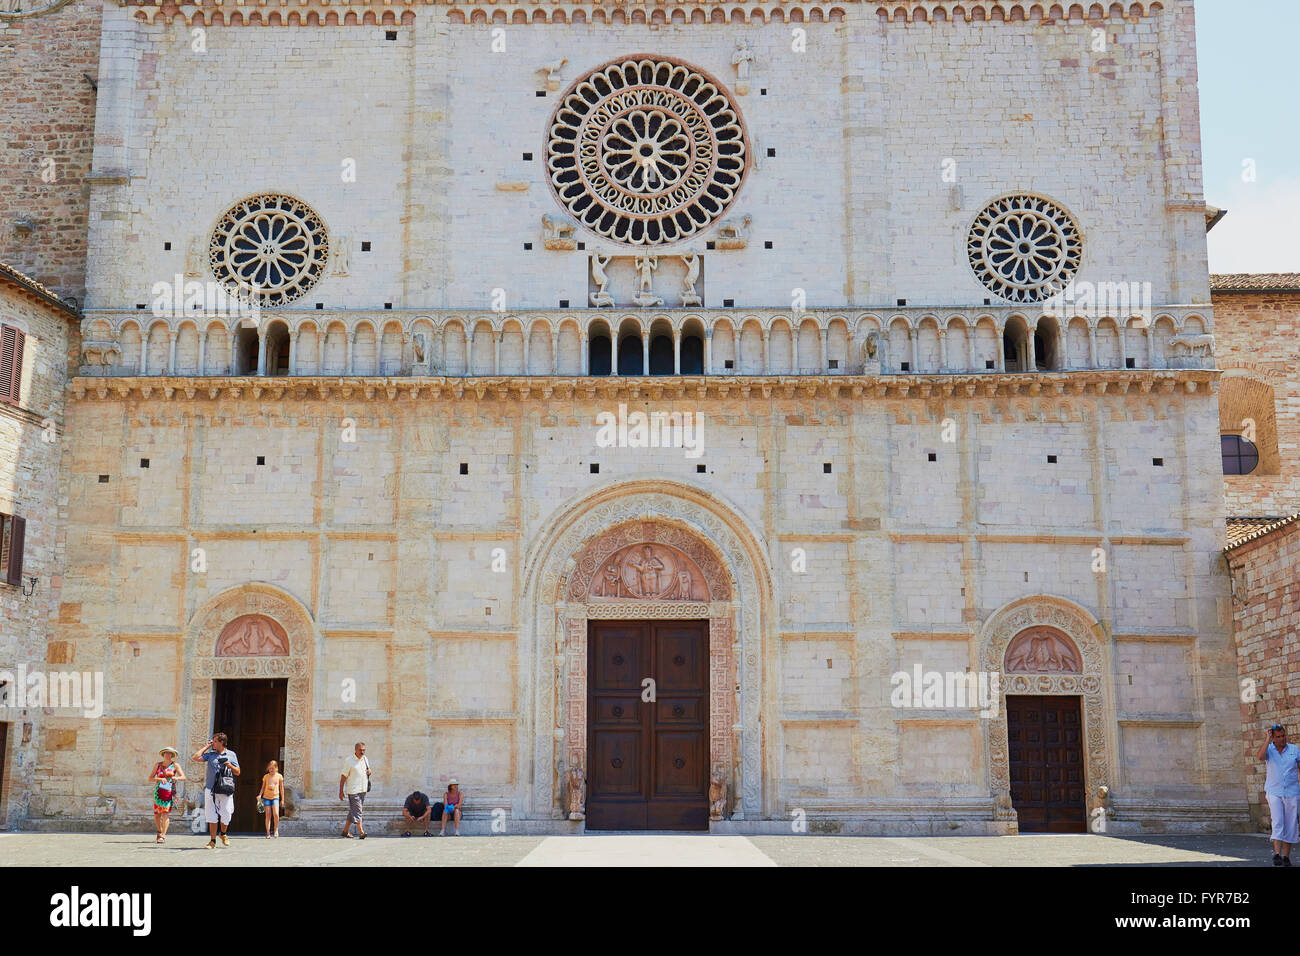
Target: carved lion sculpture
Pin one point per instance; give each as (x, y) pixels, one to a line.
(577, 794)
(557, 227)
(717, 794)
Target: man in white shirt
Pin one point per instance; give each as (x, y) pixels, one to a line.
(1282, 789)
(354, 781)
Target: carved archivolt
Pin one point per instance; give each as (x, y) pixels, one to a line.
(256, 630)
(700, 535)
(1072, 629)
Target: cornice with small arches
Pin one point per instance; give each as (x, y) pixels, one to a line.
(316, 13)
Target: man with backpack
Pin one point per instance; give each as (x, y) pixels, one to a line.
(218, 787)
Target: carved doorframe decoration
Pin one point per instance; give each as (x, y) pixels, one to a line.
(559, 580)
(1090, 685)
(206, 627)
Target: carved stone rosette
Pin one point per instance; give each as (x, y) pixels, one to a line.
(1071, 626)
(257, 618)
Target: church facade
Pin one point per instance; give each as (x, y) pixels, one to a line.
(669, 415)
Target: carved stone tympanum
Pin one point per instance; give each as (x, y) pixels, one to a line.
(649, 572)
(252, 635)
(1042, 650)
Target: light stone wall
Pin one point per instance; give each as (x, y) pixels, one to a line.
(32, 440)
(437, 124)
(407, 604)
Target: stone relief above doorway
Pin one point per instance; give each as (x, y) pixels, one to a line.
(253, 635)
(647, 562)
(1042, 650)
(649, 572)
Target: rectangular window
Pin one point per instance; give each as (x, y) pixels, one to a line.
(13, 530)
(11, 363)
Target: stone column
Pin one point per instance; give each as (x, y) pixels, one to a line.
(645, 352)
(794, 349)
(1031, 362)
(293, 351)
(261, 353)
(1092, 346)
(203, 347)
(826, 365)
(912, 348)
(351, 340)
(234, 350)
(677, 351)
(767, 353)
(1001, 352)
(1123, 346)
(586, 362)
(497, 336)
(528, 334)
(972, 355)
(171, 352)
(469, 351)
(943, 350)
(555, 354)
(708, 351)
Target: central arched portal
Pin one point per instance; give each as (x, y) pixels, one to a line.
(651, 598)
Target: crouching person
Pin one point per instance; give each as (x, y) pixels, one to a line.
(417, 811)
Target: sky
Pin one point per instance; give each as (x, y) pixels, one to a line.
(1249, 67)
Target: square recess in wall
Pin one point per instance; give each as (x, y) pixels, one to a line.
(464, 468)
(931, 456)
(390, 34)
(167, 247)
(365, 246)
(699, 469)
(595, 468)
(826, 468)
(144, 462)
(1051, 459)
(261, 459)
(728, 303)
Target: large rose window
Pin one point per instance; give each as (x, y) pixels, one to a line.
(646, 151)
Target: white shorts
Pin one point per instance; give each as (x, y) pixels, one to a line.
(1283, 811)
(218, 805)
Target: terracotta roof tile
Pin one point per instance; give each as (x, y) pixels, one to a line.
(1243, 529)
(31, 285)
(1256, 282)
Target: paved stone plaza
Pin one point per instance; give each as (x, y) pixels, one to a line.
(119, 849)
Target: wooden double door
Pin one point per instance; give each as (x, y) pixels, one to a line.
(1045, 747)
(648, 743)
(251, 714)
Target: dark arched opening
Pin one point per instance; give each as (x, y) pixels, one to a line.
(661, 355)
(598, 354)
(629, 356)
(692, 355)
